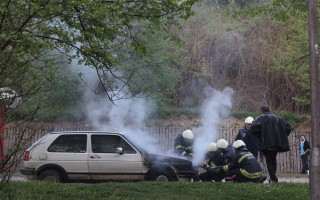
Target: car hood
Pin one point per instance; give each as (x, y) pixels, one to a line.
(180, 164)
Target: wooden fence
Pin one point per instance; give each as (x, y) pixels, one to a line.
(288, 162)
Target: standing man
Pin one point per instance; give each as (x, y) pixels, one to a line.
(273, 133)
(304, 154)
(245, 134)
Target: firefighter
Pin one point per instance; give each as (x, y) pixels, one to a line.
(226, 150)
(223, 156)
(183, 144)
(245, 134)
(213, 158)
(244, 167)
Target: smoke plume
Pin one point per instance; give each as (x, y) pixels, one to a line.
(217, 105)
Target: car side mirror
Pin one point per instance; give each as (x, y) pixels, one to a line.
(119, 150)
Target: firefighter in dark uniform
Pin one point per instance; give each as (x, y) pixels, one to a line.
(222, 156)
(244, 167)
(214, 158)
(183, 144)
(245, 134)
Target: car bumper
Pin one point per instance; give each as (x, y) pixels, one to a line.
(27, 171)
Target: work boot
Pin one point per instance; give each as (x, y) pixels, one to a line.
(228, 179)
(262, 179)
(275, 180)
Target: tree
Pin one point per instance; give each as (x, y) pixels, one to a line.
(37, 35)
(90, 31)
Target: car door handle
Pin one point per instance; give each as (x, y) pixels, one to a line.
(95, 156)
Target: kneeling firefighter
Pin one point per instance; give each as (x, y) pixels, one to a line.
(213, 158)
(244, 167)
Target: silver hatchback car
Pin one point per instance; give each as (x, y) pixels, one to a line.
(99, 156)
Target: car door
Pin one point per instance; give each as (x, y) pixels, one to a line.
(70, 152)
(106, 164)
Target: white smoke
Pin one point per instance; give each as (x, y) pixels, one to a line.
(217, 105)
(125, 116)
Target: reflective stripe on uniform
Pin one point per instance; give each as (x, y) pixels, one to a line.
(250, 175)
(226, 168)
(179, 147)
(244, 156)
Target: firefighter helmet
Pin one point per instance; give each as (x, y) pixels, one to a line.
(212, 147)
(249, 120)
(238, 143)
(187, 134)
(222, 144)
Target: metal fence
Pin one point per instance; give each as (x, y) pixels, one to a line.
(288, 162)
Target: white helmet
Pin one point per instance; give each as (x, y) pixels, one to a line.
(187, 134)
(222, 144)
(238, 143)
(249, 120)
(212, 147)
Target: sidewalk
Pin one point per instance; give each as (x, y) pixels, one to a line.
(294, 179)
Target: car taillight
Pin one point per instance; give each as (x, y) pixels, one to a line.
(26, 155)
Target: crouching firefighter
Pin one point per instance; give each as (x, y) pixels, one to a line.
(183, 144)
(244, 167)
(214, 158)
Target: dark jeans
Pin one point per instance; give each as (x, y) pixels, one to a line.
(271, 160)
(211, 175)
(304, 162)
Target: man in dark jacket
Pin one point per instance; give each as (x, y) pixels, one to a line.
(273, 133)
(244, 167)
(304, 154)
(245, 134)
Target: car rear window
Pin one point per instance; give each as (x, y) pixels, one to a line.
(109, 144)
(70, 144)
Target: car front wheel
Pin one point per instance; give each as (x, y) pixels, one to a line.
(52, 176)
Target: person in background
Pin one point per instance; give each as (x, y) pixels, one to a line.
(273, 133)
(245, 134)
(213, 159)
(304, 154)
(183, 144)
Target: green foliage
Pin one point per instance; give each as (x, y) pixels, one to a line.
(177, 112)
(36, 35)
(294, 119)
(244, 114)
(154, 190)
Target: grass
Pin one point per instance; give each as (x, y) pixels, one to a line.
(35, 190)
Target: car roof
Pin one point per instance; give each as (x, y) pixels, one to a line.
(83, 132)
(139, 147)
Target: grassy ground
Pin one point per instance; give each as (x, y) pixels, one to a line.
(16, 190)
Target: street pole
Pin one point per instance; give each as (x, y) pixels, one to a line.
(314, 183)
(2, 111)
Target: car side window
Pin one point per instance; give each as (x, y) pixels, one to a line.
(109, 144)
(69, 144)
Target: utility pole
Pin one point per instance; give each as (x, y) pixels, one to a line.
(314, 183)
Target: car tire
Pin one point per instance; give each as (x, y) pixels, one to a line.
(50, 175)
(162, 176)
